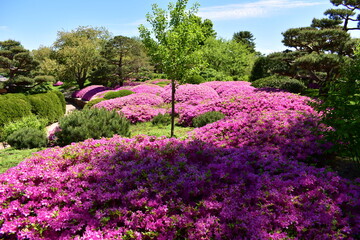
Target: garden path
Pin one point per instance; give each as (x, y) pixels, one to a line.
(69, 108)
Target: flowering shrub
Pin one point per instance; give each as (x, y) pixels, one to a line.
(133, 99)
(88, 92)
(58, 83)
(220, 86)
(148, 88)
(141, 113)
(159, 81)
(147, 188)
(256, 101)
(189, 92)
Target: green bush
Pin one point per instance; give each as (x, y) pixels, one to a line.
(13, 107)
(30, 121)
(47, 106)
(61, 97)
(280, 82)
(208, 117)
(161, 119)
(91, 103)
(91, 123)
(195, 79)
(27, 138)
(120, 93)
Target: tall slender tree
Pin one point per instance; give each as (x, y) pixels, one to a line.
(174, 38)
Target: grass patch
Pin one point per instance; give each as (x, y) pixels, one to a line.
(10, 157)
(149, 129)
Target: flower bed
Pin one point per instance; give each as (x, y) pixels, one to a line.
(146, 188)
(141, 113)
(133, 99)
(189, 92)
(88, 92)
(148, 88)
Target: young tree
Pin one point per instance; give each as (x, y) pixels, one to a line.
(246, 38)
(79, 51)
(174, 38)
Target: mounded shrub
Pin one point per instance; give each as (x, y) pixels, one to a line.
(281, 82)
(161, 119)
(91, 103)
(30, 121)
(27, 138)
(120, 93)
(61, 97)
(13, 107)
(91, 123)
(208, 117)
(47, 106)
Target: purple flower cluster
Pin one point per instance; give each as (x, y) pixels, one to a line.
(156, 188)
(88, 92)
(189, 92)
(58, 83)
(141, 113)
(133, 99)
(225, 89)
(250, 102)
(147, 88)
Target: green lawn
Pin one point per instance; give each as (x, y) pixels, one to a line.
(10, 157)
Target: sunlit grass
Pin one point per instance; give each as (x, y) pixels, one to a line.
(11, 157)
(149, 129)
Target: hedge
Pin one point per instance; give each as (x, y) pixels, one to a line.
(13, 107)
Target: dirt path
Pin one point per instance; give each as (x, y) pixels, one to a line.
(69, 108)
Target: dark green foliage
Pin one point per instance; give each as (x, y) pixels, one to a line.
(342, 113)
(47, 106)
(91, 123)
(13, 107)
(91, 103)
(161, 119)
(120, 93)
(280, 82)
(27, 138)
(195, 79)
(208, 117)
(61, 97)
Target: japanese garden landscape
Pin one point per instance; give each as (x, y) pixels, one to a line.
(183, 135)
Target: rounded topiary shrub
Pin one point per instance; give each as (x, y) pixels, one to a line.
(280, 82)
(91, 103)
(208, 117)
(161, 119)
(61, 97)
(13, 107)
(27, 138)
(47, 106)
(91, 123)
(120, 93)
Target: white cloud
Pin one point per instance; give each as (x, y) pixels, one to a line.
(255, 9)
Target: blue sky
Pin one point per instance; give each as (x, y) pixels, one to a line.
(36, 22)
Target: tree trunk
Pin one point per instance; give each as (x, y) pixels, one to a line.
(172, 107)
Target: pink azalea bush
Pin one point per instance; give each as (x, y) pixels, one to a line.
(58, 83)
(133, 99)
(147, 188)
(148, 88)
(229, 88)
(88, 92)
(189, 92)
(256, 101)
(141, 113)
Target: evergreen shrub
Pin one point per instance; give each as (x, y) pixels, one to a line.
(27, 138)
(91, 123)
(206, 118)
(47, 106)
(91, 103)
(120, 93)
(161, 119)
(13, 107)
(281, 82)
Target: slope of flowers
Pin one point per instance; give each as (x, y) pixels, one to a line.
(88, 92)
(133, 99)
(189, 92)
(147, 88)
(147, 188)
(141, 113)
(255, 101)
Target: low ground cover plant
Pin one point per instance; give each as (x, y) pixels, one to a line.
(166, 188)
